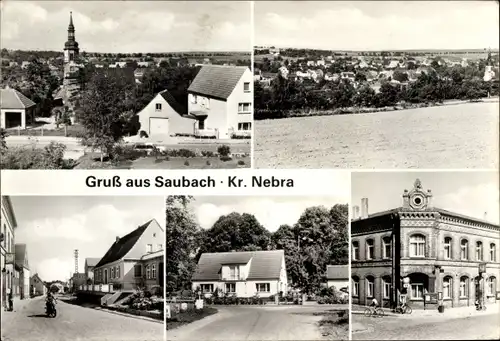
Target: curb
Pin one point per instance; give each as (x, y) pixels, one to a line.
(129, 315)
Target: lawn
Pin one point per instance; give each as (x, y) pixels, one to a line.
(335, 324)
(189, 316)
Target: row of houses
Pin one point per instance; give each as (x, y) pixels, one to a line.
(250, 273)
(16, 278)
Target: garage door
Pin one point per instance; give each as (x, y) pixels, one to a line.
(13, 119)
(158, 126)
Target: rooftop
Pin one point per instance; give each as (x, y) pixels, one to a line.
(217, 81)
(13, 99)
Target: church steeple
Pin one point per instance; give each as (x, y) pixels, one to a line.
(71, 27)
(71, 49)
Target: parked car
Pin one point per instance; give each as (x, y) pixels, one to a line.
(149, 147)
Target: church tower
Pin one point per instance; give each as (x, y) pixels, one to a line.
(71, 49)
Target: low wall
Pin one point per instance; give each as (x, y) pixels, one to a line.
(157, 315)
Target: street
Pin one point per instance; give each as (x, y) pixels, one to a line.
(28, 322)
(255, 323)
(481, 327)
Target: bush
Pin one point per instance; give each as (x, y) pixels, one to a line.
(50, 157)
(224, 150)
(126, 153)
(186, 153)
(225, 158)
(142, 133)
(209, 163)
(207, 153)
(186, 163)
(241, 163)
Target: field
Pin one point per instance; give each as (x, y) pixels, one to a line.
(452, 136)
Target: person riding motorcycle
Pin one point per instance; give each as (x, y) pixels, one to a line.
(50, 301)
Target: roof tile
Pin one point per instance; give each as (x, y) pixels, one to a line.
(217, 81)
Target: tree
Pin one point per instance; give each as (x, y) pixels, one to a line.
(400, 76)
(107, 96)
(3, 143)
(364, 97)
(236, 232)
(39, 86)
(182, 233)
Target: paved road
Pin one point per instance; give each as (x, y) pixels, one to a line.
(254, 323)
(75, 323)
(484, 327)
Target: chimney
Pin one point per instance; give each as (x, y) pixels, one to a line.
(364, 208)
(485, 216)
(355, 212)
(117, 239)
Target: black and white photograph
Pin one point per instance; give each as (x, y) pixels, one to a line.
(82, 268)
(376, 84)
(126, 85)
(257, 268)
(424, 255)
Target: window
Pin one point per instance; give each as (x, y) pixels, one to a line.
(464, 249)
(245, 126)
(447, 248)
(158, 107)
(153, 271)
(355, 286)
(447, 287)
(493, 253)
(246, 87)
(192, 98)
(417, 291)
(355, 250)
(234, 272)
(370, 282)
(386, 251)
(244, 108)
(387, 287)
(479, 251)
(491, 286)
(231, 287)
(138, 270)
(112, 271)
(263, 287)
(464, 286)
(417, 246)
(148, 272)
(149, 248)
(160, 246)
(370, 248)
(207, 288)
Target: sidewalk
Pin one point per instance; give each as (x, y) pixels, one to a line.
(449, 313)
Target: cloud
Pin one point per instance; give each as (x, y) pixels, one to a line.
(270, 212)
(473, 201)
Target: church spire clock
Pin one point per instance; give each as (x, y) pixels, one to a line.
(71, 49)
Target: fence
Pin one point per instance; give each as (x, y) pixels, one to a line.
(97, 288)
(67, 131)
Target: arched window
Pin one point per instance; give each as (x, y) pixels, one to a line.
(370, 286)
(447, 248)
(355, 250)
(491, 286)
(386, 280)
(479, 251)
(464, 286)
(370, 249)
(417, 245)
(355, 286)
(493, 253)
(464, 249)
(447, 287)
(386, 250)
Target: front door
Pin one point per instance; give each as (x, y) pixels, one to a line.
(105, 276)
(201, 124)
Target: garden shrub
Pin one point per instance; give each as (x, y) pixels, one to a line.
(241, 163)
(186, 163)
(225, 158)
(224, 150)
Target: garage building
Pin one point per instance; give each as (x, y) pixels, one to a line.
(17, 110)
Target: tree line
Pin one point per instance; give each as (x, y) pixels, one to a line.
(319, 238)
(437, 85)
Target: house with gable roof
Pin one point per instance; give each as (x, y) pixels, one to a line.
(17, 110)
(90, 264)
(37, 286)
(220, 98)
(243, 274)
(163, 116)
(21, 258)
(134, 260)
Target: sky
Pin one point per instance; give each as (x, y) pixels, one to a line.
(377, 25)
(127, 26)
(468, 193)
(270, 211)
(53, 227)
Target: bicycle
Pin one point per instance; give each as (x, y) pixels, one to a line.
(403, 309)
(376, 312)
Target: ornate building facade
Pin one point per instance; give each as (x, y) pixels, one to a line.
(71, 58)
(423, 254)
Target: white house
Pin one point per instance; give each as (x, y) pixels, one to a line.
(242, 273)
(337, 276)
(21, 256)
(7, 248)
(220, 98)
(163, 116)
(16, 109)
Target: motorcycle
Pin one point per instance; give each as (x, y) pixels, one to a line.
(50, 308)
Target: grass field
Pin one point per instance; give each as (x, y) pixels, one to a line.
(454, 136)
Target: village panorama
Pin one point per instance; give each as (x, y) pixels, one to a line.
(77, 109)
(352, 101)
